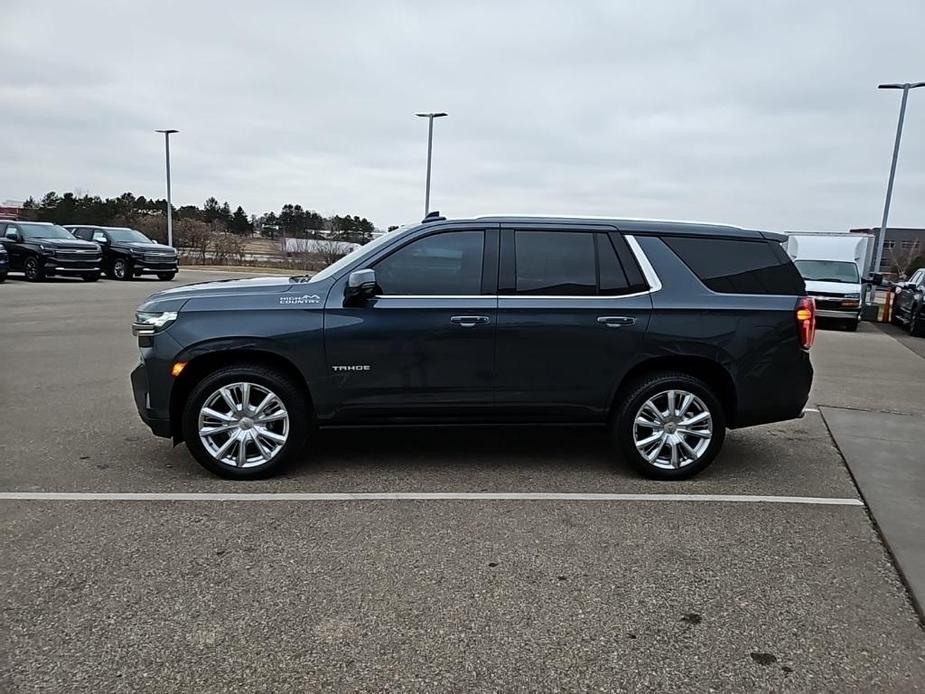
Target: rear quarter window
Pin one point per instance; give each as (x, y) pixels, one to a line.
(738, 266)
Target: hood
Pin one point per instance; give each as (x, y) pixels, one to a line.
(76, 244)
(252, 286)
(832, 288)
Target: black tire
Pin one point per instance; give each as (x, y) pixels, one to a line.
(851, 325)
(166, 276)
(122, 269)
(634, 395)
(91, 277)
(292, 397)
(917, 322)
(2, 277)
(33, 269)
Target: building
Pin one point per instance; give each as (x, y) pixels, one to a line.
(10, 209)
(903, 249)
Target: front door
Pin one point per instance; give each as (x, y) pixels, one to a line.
(573, 309)
(13, 247)
(424, 346)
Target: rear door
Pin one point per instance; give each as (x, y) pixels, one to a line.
(424, 346)
(573, 309)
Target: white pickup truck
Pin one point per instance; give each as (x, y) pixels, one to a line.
(832, 264)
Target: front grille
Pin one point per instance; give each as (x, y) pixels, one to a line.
(91, 256)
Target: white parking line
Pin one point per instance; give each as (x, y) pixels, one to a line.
(810, 409)
(419, 496)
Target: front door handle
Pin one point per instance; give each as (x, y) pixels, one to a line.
(468, 321)
(616, 321)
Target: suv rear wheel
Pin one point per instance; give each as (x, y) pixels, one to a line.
(245, 421)
(669, 425)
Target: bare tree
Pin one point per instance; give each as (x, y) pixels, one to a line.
(901, 258)
(195, 238)
(329, 251)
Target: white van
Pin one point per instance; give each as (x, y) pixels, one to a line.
(832, 264)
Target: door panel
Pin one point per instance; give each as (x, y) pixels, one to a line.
(430, 357)
(560, 356)
(428, 354)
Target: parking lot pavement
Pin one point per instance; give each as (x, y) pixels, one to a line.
(915, 344)
(420, 594)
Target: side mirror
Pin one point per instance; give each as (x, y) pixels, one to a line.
(12, 235)
(361, 285)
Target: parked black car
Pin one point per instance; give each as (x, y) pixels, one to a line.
(666, 332)
(40, 250)
(909, 304)
(4, 263)
(128, 253)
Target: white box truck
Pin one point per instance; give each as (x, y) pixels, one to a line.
(832, 265)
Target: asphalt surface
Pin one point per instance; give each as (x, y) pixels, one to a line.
(423, 595)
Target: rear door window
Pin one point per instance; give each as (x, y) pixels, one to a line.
(555, 263)
(738, 266)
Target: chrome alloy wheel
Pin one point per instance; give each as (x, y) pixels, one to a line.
(673, 429)
(243, 425)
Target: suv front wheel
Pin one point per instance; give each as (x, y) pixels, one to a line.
(245, 421)
(669, 426)
(33, 269)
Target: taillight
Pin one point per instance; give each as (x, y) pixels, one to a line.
(806, 320)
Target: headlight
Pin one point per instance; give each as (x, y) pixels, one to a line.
(148, 323)
(47, 250)
(133, 251)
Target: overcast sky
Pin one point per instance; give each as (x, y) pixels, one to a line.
(722, 111)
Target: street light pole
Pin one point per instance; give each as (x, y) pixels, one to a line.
(889, 186)
(430, 144)
(167, 134)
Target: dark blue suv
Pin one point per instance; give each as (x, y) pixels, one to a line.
(668, 333)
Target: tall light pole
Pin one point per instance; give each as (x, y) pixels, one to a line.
(430, 145)
(889, 186)
(167, 134)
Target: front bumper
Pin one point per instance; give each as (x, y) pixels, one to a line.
(145, 266)
(849, 313)
(63, 266)
(157, 423)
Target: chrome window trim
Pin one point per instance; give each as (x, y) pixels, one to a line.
(648, 272)
(655, 284)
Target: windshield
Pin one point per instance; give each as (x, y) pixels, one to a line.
(44, 231)
(126, 234)
(828, 271)
(339, 265)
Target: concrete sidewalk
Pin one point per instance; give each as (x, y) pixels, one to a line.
(875, 410)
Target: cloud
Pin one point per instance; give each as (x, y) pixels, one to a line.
(763, 116)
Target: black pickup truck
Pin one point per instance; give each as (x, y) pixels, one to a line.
(41, 249)
(127, 253)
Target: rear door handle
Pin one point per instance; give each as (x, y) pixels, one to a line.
(616, 321)
(468, 321)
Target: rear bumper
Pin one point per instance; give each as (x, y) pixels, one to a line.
(849, 313)
(780, 397)
(157, 422)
